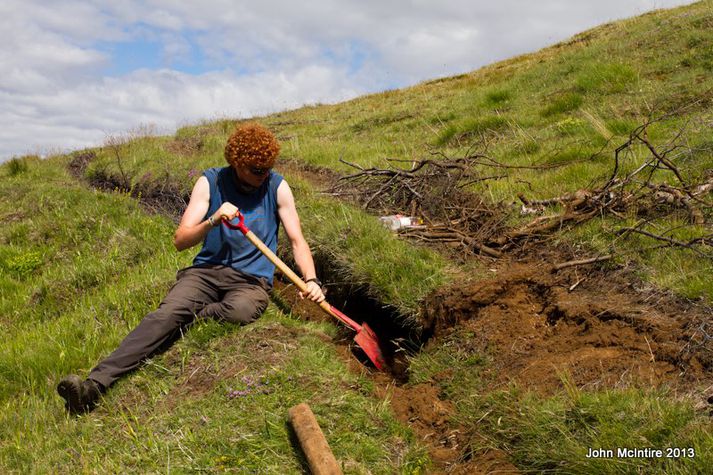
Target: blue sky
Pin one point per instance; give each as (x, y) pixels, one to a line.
(78, 71)
(128, 56)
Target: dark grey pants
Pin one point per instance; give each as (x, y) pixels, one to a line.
(218, 292)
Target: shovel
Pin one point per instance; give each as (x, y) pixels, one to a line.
(365, 337)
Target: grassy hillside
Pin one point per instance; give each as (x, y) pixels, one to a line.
(80, 267)
(567, 107)
(549, 123)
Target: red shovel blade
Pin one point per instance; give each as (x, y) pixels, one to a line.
(369, 343)
(365, 337)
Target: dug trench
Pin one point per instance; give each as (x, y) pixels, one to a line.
(538, 327)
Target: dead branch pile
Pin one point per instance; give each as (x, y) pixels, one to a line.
(652, 192)
(435, 190)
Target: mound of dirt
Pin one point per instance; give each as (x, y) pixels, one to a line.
(540, 328)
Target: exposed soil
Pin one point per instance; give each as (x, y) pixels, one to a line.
(604, 332)
(430, 417)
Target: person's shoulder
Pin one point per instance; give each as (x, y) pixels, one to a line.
(213, 171)
(215, 174)
(276, 179)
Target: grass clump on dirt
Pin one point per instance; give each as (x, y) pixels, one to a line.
(471, 128)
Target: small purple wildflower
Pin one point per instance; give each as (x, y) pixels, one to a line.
(253, 385)
(238, 393)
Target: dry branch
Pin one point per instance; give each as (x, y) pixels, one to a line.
(582, 262)
(432, 190)
(704, 240)
(435, 191)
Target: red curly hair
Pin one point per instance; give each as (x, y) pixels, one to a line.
(252, 145)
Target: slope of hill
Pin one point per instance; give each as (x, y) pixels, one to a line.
(507, 352)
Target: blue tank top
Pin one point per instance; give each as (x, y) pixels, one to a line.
(229, 247)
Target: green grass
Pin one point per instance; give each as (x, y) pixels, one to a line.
(177, 413)
(471, 129)
(603, 78)
(498, 97)
(674, 268)
(566, 102)
(546, 434)
(79, 268)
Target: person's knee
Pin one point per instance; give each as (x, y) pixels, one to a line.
(240, 312)
(170, 316)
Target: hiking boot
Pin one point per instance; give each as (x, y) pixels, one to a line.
(80, 396)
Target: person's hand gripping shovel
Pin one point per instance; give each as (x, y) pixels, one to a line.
(365, 337)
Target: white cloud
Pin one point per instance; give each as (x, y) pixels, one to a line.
(256, 57)
(86, 114)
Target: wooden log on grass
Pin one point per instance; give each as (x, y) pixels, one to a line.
(315, 447)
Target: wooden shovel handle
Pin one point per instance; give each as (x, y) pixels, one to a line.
(284, 268)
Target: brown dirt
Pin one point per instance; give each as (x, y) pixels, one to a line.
(602, 333)
(540, 329)
(429, 416)
(592, 328)
(287, 294)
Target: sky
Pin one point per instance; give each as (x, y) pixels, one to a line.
(74, 72)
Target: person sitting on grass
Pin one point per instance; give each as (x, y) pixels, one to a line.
(230, 278)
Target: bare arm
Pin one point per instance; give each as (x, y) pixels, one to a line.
(193, 228)
(300, 249)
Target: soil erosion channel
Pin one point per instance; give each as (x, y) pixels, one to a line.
(538, 327)
(536, 332)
